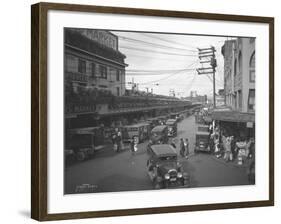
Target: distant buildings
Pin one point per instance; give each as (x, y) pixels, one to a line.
(239, 74)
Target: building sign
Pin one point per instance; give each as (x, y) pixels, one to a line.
(76, 77)
(80, 109)
(103, 37)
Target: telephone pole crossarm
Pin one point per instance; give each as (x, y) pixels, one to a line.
(205, 53)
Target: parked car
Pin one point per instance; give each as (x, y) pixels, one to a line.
(164, 169)
(203, 128)
(159, 135)
(139, 131)
(172, 127)
(80, 146)
(202, 142)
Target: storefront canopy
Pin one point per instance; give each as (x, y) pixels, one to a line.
(233, 116)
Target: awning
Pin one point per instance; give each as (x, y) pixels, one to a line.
(233, 116)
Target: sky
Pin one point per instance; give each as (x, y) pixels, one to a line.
(167, 62)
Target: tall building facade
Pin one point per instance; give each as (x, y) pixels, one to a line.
(239, 74)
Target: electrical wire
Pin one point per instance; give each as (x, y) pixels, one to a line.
(158, 52)
(168, 41)
(166, 77)
(153, 44)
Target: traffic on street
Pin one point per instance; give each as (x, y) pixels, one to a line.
(110, 171)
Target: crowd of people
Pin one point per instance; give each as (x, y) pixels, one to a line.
(231, 148)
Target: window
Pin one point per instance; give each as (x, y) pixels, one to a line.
(251, 100)
(103, 72)
(71, 63)
(81, 66)
(240, 62)
(235, 67)
(93, 69)
(252, 68)
(118, 91)
(240, 99)
(118, 75)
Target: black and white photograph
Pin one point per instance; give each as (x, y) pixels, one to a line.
(152, 111)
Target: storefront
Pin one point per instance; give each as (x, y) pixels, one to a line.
(238, 124)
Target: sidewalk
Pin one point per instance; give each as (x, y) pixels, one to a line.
(233, 163)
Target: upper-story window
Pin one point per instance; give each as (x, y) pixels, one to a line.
(81, 66)
(252, 66)
(118, 74)
(93, 69)
(235, 67)
(240, 62)
(103, 72)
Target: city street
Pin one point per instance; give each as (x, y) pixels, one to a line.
(109, 171)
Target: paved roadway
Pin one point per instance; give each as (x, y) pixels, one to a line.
(109, 171)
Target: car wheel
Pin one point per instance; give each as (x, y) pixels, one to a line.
(80, 156)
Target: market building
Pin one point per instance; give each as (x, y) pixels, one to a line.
(92, 60)
(94, 86)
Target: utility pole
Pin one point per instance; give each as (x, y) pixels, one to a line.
(207, 56)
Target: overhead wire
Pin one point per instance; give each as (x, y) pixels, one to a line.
(158, 52)
(168, 41)
(154, 44)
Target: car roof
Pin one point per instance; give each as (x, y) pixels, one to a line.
(163, 150)
(136, 125)
(203, 125)
(202, 133)
(159, 128)
(171, 121)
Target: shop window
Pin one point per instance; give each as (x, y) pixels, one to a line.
(251, 100)
(252, 66)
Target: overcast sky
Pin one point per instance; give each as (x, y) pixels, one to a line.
(168, 61)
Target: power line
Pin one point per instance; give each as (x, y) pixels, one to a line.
(168, 41)
(173, 74)
(154, 58)
(153, 44)
(148, 72)
(158, 52)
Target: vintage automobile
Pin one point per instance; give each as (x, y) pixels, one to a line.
(202, 142)
(175, 116)
(172, 127)
(203, 128)
(80, 145)
(139, 131)
(164, 169)
(159, 134)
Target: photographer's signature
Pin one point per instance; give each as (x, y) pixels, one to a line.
(86, 188)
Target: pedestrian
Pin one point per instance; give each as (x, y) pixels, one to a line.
(186, 146)
(173, 144)
(182, 147)
(114, 141)
(134, 145)
(119, 141)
